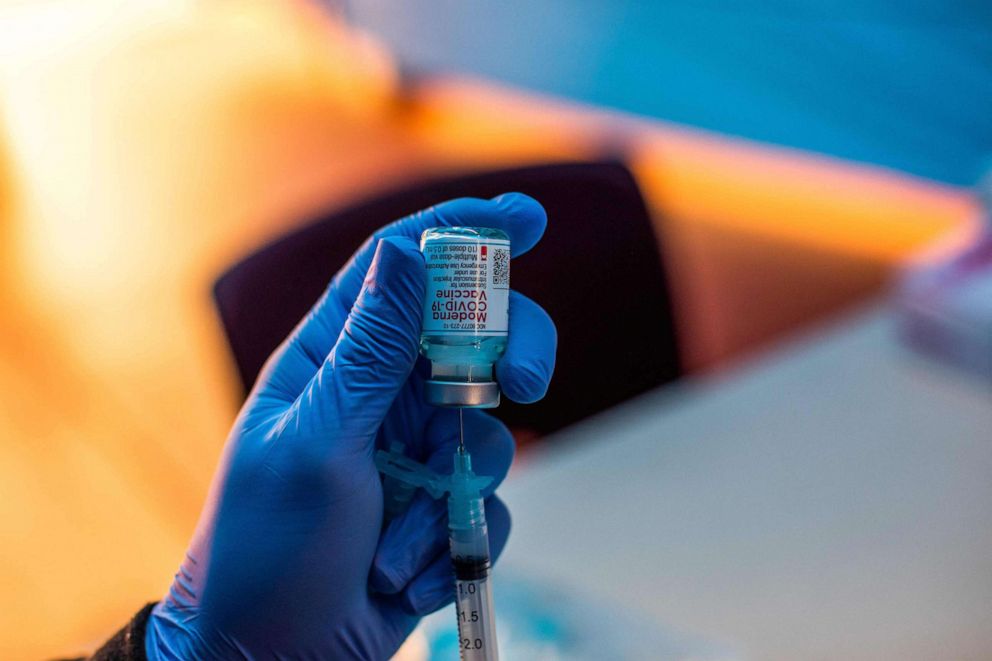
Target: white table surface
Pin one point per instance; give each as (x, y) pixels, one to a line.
(831, 500)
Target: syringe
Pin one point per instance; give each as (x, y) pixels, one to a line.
(469, 543)
(468, 538)
(464, 332)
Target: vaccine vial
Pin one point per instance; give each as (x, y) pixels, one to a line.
(466, 310)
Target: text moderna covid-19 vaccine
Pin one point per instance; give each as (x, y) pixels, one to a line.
(466, 313)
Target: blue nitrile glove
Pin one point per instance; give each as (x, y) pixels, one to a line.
(289, 559)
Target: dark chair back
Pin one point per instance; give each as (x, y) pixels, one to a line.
(597, 272)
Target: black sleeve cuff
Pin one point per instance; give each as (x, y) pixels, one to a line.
(128, 644)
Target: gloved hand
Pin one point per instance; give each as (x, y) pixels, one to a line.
(289, 559)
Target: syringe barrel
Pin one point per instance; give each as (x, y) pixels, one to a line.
(470, 544)
(473, 588)
(476, 624)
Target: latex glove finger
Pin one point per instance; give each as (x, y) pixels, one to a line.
(378, 345)
(525, 370)
(411, 540)
(520, 216)
(433, 588)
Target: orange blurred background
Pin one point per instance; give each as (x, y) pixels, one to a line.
(146, 146)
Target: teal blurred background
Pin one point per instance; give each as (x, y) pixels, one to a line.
(906, 85)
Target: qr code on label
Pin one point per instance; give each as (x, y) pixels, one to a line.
(501, 266)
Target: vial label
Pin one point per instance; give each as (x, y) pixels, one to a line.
(468, 286)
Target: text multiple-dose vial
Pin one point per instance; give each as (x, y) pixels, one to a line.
(466, 313)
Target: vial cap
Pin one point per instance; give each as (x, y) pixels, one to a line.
(461, 394)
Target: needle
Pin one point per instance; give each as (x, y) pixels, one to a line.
(461, 431)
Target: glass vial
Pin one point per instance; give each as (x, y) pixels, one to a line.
(466, 310)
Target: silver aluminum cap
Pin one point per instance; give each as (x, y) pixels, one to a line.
(460, 394)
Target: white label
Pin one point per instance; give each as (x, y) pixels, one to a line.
(468, 286)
